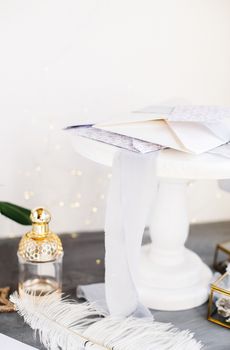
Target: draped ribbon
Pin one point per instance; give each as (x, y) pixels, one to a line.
(131, 193)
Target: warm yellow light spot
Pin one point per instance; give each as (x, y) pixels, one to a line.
(194, 220)
(61, 204)
(75, 205)
(98, 261)
(38, 168)
(76, 172)
(11, 235)
(74, 235)
(28, 194)
(94, 209)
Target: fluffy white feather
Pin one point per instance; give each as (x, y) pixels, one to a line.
(67, 325)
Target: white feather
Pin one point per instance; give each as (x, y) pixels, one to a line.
(67, 325)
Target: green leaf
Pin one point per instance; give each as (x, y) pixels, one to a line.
(15, 213)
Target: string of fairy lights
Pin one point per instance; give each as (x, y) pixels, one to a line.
(29, 194)
(33, 179)
(94, 209)
(89, 204)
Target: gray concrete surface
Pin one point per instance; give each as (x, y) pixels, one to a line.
(80, 267)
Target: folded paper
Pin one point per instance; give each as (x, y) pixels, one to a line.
(120, 141)
(223, 150)
(188, 113)
(193, 129)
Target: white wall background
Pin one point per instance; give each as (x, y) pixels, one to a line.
(61, 61)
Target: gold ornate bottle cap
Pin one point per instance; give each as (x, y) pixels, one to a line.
(40, 244)
(40, 218)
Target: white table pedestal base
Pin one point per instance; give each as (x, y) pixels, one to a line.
(172, 277)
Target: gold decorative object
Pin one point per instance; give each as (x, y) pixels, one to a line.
(40, 256)
(219, 300)
(5, 304)
(223, 251)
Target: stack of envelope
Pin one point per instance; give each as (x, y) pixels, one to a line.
(192, 129)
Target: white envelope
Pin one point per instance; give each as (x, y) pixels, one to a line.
(222, 129)
(152, 131)
(196, 137)
(193, 129)
(142, 115)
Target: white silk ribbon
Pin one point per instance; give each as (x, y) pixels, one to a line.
(132, 190)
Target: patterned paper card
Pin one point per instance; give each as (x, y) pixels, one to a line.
(199, 113)
(187, 113)
(117, 140)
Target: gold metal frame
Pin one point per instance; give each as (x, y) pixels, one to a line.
(215, 288)
(219, 246)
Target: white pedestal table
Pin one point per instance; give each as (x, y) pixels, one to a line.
(172, 277)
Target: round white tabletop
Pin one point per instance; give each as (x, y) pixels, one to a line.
(170, 163)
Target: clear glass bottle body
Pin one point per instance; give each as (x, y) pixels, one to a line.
(40, 278)
(40, 254)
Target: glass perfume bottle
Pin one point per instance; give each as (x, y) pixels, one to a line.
(40, 255)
